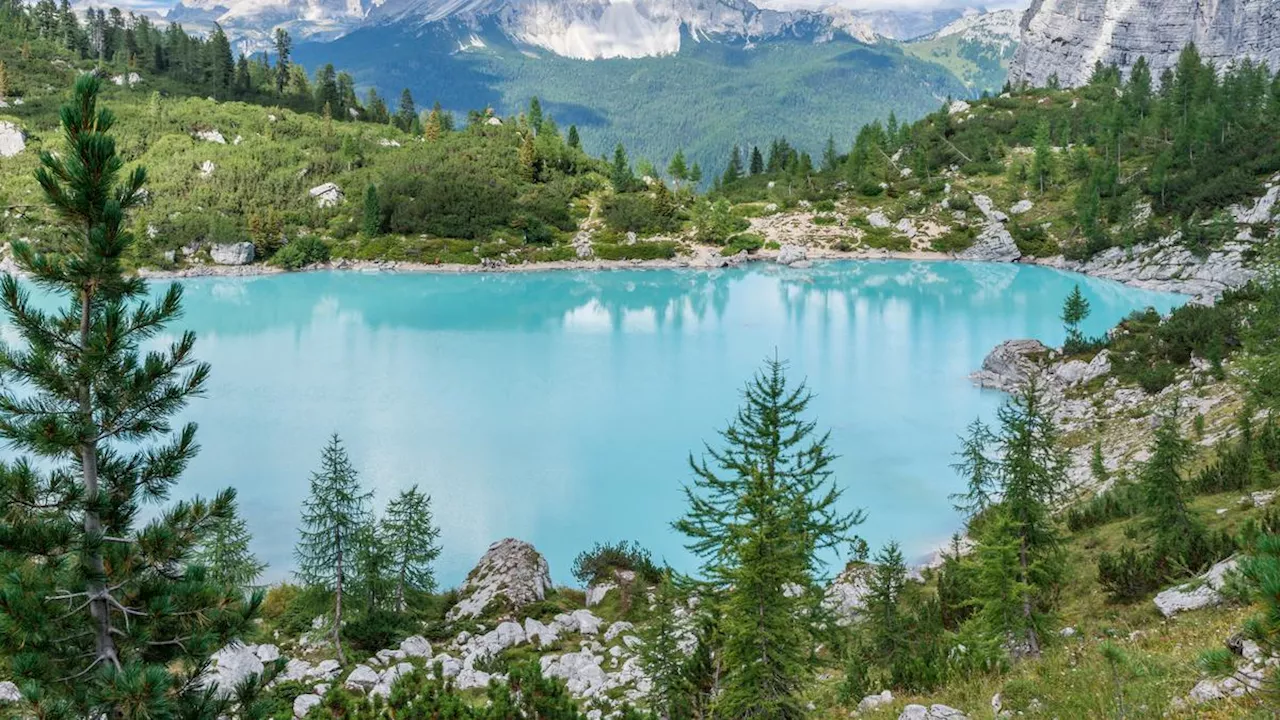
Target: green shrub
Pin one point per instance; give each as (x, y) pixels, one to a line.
(956, 240)
(824, 206)
(602, 561)
(301, 252)
(638, 213)
(825, 220)
(643, 250)
(885, 239)
(377, 629)
(748, 242)
(1129, 575)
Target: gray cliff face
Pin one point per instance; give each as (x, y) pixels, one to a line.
(1068, 37)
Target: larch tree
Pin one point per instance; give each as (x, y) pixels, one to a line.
(763, 513)
(1042, 162)
(1075, 310)
(413, 542)
(332, 518)
(101, 617)
(225, 552)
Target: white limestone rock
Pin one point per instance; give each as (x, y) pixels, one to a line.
(512, 574)
(130, 79)
(957, 107)
(266, 653)
(871, 702)
(232, 665)
(206, 169)
(789, 254)
(1009, 365)
(933, 712)
(545, 634)
(326, 670)
(304, 703)
(362, 678)
(1079, 372)
(848, 592)
(471, 679)
(1204, 592)
(240, 253)
(296, 669)
(596, 593)
(1021, 207)
(449, 665)
(878, 220)
(212, 136)
(327, 195)
(581, 672)
(9, 692)
(416, 646)
(1067, 37)
(993, 244)
(617, 629)
(12, 139)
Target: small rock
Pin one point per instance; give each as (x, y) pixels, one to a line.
(362, 678)
(871, 702)
(327, 195)
(790, 254)
(304, 703)
(212, 136)
(9, 692)
(1021, 207)
(416, 646)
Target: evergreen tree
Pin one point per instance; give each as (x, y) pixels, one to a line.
(225, 552)
(975, 464)
(677, 168)
(883, 619)
(695, 173)
(665, 654)
(535, 114)
(830, 158)
(221, 64)
(407, 113)
(333, 516)
(574, 141)
(733, 171)
(1075, 309)
(284, 46)
(372, 220)
(376, 108)
(372, 568)
(327, 90)
(412, 540)
(1042, 163)
(244, 82)
(4, 81)
(100, 617)
(620, 172)
(757, 161)
(762, 513)
(528, 157)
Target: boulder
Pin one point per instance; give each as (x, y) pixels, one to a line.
(304, 703)
(789, 254)
(327, 195)
(617, 629)
(848, 591)
(232, 665)
(326, 670)
(871, 702)
(510, 575)
(581, 672)
(240, 253)
(993, 244)
(212, 136)
(493, 121)
(1021, 207)
(545, 633)
(597, 592)
(507, 634)
(1009, 365)
(384, 142)
(9, 692)
(988, 209)
(363, 678)
(449, 665)
(1204, 592)
(1078, 372)
(958, 106)
(878, 219)
(12, 139)
(296, 670)
(266, 653)
(933, 712)
(129, 79)
(416, 646)
(470, 679)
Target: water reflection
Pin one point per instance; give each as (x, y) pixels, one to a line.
(560, 407)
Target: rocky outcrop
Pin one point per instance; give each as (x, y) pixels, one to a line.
(994, 243)
(1067, 37)
(848, 591)
(933, 712)
(12, 139)
(1010, 365)
(212, 136)
(235, 663)
(240, 253)
(511, 575)
(327, 195)
(790, 254)
(1203, 593)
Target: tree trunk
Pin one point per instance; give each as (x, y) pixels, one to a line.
(1033, 642)
(337, 605)
(400, 589)
(96, 587)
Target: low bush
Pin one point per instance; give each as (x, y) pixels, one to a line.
(301, 252)
(377, 629)
(743, 242)
(662, 250)
(602, 561)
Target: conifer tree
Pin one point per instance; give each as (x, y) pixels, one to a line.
(830, 158)
(574, 141)
(535, 114)
(372, 567)
(4, 81)
(1042, 162)
(1075, 309)
(733, 171)
(372, 218)
(620, 172)
(528, 157)
(100, 617)
(975, 464)
(412, 542)
(284, 46)
(225, 552)
(757, 161)
(762, 513)
(695, 173)
(665, 654)
(332, 518)
(883, 618)
(407, 113)
(677, 168)
(221, 64)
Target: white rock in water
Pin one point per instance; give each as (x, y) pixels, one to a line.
(789, 254)
(871, 702)
(512, 573)
(240, 253)
(9, 692)
(362, 678)
(212, 136)
(1067, 37)
(304, 703)
(327, 195)
(416, 646)
(12, 139)
(1194, 596)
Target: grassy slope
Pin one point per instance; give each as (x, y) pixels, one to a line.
(981, 67)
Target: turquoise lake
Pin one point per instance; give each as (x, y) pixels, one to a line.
(561, 407)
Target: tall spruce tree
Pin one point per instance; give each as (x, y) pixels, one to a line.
(762, 515)
(283, 45)
(333, 516)
(412, 539)
(620, 173)
(1075, 310)
(665, 653)
(407, 112)
(100, 617)
(371, 222)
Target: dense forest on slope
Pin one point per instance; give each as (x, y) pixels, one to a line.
(706, 97)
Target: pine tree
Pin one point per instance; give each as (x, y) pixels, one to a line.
(677, 168)
(665, 653)
(407, 113)
(976, 465)
(412, 542)
(733, 171)
(574, 141)
(1042, 163)
(830, 158)
(695, 173)
(757, 161)
(1175, 531)
(332, 518)
(225, 552)
(327, 90)
(221, 64)
(762, 513)
(535, 114)
(283, 47)
(99, 617)
(528, 157)
(372, 221)
(4, 81)
(620, 173)
(882, 618)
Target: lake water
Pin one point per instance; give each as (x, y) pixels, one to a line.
(560, 407)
